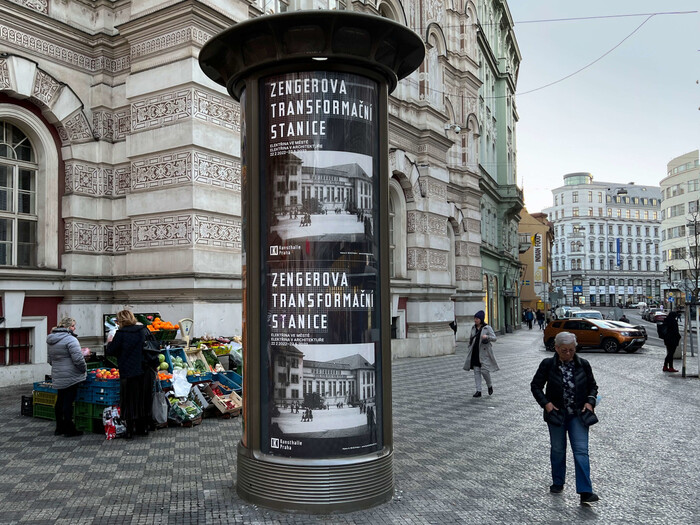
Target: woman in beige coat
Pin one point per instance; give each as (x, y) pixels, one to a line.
(482, 361)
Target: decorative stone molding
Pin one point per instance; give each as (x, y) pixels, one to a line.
(103, 125)
(473, 226)
(122, 124)
(45, 88)
(217, 171)
(417, 259)
(461, 272)
(461, 248)
(162, 232)
(437, 260)
(81, 236)
(218, 232)
(122, 238)
(41, 6)
(57, 53)
(107, 238)
(122, 180)
(436, 225)
(433, 188)
(5, 82)
(161, 110)
(163, 170)
(474, 273)
(84, 179)
(217, 110)
(187, 35)
(77, 128)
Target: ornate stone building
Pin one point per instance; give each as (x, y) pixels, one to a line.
(501, 200)
(121, 181)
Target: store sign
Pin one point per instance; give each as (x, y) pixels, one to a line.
(320, 378)
(601, 290)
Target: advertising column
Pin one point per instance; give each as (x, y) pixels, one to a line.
(320, 265)
(314, 89)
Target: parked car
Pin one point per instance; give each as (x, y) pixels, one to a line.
(638, 305)
(656, 316)
(594, 333)
(587, 314)
(622, 324)
(563, 312)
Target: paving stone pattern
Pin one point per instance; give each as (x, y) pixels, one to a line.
(457, 459)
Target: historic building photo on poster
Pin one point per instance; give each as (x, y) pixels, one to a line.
(321, 266)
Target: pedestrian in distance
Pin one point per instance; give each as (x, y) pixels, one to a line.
(127, 346)
(669, 332)
(529, 318)
(540, 319)
(68, 370)
(565, 388)
(480, 357)
(624, 319)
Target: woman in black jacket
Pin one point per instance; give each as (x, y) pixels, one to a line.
(570, 392)
(127, 346)
(671, 336)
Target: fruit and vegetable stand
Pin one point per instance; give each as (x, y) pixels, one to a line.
(213, 391)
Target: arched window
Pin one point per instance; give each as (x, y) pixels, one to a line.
(451, 269)
(392, 243)
(397, 230)
(18, 198)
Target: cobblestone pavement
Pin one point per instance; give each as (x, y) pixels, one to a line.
(457, 459)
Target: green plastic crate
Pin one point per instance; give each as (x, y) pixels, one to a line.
(45, 412)
(89, 424)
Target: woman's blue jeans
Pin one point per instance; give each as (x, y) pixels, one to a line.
(578, 437)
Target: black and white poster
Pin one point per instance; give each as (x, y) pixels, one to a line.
(321, 376)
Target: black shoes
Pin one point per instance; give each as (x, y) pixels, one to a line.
(556, 489)
(490, 390)
(588, 497)
(477, 394)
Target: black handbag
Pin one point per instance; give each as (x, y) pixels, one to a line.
(554, 417)
(588, 418)
(151, 351)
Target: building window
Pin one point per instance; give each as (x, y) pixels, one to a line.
(15, 346)
(574, 196)
(574, 212)
(18, 198)
(590, 212)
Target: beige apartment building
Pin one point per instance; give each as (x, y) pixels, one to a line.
(536, 240)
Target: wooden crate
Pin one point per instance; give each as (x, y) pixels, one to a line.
(223, 402)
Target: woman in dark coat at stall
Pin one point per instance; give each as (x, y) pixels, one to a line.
(127, 346)
(67, 372)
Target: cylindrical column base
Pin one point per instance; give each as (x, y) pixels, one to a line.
(316, 487)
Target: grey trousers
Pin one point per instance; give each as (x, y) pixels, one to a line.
(478, 372)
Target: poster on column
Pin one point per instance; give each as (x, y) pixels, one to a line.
(320, 377)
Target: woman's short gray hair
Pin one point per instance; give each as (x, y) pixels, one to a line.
(66, 322)
(564, 338)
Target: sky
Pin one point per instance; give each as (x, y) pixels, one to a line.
(621, 119)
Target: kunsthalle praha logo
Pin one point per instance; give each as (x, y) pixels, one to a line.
(275, 442)
(274, 250)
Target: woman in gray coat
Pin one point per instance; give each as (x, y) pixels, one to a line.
(67, 372)
(480, 356)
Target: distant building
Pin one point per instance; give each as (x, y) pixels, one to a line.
(680, 235)
(536, 241)
(607, 242)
